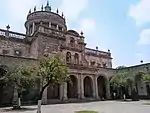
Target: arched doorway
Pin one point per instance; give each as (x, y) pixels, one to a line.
(88, 90)
(101, 82)
(72, 88)
(53, 91)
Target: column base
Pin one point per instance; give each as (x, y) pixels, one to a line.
(44, 101)
(64, 98)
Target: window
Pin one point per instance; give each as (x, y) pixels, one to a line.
(54, 26)
(72, 42)
(76, 58)
(92, 63)
(104, 65)
(68, 57)
(60, 28)
(98, 65)
(5, 52)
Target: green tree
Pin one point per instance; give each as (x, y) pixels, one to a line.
(51, 71)
(20, 78)
(3, 74)
(146, 78)
(121, 79)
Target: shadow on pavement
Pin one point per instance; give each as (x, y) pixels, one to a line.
(20, 110)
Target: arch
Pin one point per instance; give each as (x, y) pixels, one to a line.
(72, 89)
(76, 58)
(88, 89)
(101, 85)
(68, 57)
(53, 91)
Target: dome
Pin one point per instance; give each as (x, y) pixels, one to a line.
(72, 32)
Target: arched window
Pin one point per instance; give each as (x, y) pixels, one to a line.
(76, 58)
(68, 57)
(72, 42)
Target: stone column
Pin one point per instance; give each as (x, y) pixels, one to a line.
(33, 28)
(79, 88)
(49, 24)
(96, 88)
(61, 92)
(65, 92)
(44, 97)
(82, 87)
(108, 90)
(57, 27)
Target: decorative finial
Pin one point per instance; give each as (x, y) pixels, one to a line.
(47, 2)
(34, 8)
(8, 27)
(62, 14)
(108, 50)
(81, 33)
(141, 61)
(96, 47)
(29, 11)
(57, 11)
(42, 7)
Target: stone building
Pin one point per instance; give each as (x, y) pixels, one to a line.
(47, 33)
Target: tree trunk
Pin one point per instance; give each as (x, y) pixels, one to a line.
(40, 97)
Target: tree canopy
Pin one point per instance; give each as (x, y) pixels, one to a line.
(52, 70)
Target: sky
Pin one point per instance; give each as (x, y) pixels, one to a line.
(123, 26)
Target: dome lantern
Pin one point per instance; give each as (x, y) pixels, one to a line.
(47, 7)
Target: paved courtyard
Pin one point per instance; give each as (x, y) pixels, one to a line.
(101, 107)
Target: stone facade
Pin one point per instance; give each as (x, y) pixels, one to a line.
(47, 33)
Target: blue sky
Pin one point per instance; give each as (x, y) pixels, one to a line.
(123, 26)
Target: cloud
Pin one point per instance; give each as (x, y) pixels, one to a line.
(18, 9)
(140, 12)
(16, 12)
(87, 25)
(73, 8)
(144, 37)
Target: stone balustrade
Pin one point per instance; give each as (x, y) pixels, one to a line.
(11, 34)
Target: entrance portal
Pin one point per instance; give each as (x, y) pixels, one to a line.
(101, 82)
(72, 89)
(88, 87)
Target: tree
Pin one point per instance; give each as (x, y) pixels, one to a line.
(51, 71)
(120, 80)
(146, 78)
(3, 74)
(20, 78)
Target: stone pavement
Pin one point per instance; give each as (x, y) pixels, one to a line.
(101, 107)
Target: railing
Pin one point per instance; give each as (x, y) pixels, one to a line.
(97, 52)
(51, 31)
(7, 33)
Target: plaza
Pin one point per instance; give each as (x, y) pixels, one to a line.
(100, 106)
